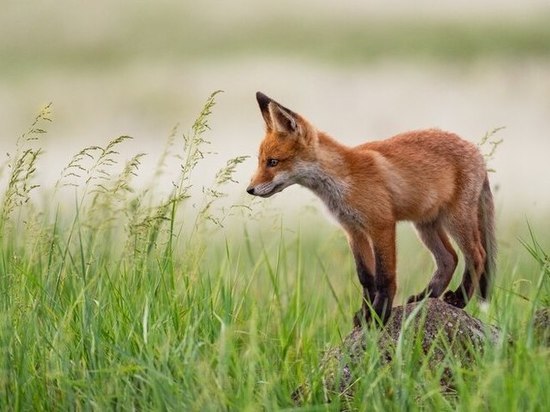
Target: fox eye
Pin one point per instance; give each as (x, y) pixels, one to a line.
(272, 162)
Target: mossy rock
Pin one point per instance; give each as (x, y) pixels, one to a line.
(438, 329)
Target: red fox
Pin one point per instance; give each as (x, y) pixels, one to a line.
(430, 177)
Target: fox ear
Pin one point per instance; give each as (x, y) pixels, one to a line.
(284, 121)
(263, 102)
(276, 116)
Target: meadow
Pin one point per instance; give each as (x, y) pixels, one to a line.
(123, 298)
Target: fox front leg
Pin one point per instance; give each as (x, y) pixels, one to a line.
(385, 267)
(366, 279)
(361, 248)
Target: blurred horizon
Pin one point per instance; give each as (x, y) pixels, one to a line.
(358, 70)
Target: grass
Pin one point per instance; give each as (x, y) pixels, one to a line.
(128, 299)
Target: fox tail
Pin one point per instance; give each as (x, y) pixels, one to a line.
(487, 229)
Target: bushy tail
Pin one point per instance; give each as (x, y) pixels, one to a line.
(487, 229)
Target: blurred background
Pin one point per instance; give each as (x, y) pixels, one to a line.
(358, 70)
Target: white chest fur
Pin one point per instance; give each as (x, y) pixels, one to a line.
(331, 190)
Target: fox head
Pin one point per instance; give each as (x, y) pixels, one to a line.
(286, 150)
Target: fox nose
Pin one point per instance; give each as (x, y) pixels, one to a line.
(250, 190)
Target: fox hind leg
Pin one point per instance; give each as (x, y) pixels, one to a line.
(435, 238)
(467, 235)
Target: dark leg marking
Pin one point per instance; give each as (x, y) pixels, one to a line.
(366, 278)
(385, 289)
(463, 293)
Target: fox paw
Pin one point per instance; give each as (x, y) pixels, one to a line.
(361, 318)
(416, 298)
(455, 298)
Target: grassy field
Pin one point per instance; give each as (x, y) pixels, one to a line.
(128, 299)
(133, 33)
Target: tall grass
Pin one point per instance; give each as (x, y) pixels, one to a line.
(127, 299)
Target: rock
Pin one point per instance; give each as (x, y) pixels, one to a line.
(442, 328)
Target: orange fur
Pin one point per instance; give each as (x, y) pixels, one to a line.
(432, 178)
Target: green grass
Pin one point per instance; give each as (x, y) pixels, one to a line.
(125, 299)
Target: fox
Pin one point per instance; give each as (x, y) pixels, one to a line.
(432, 178)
